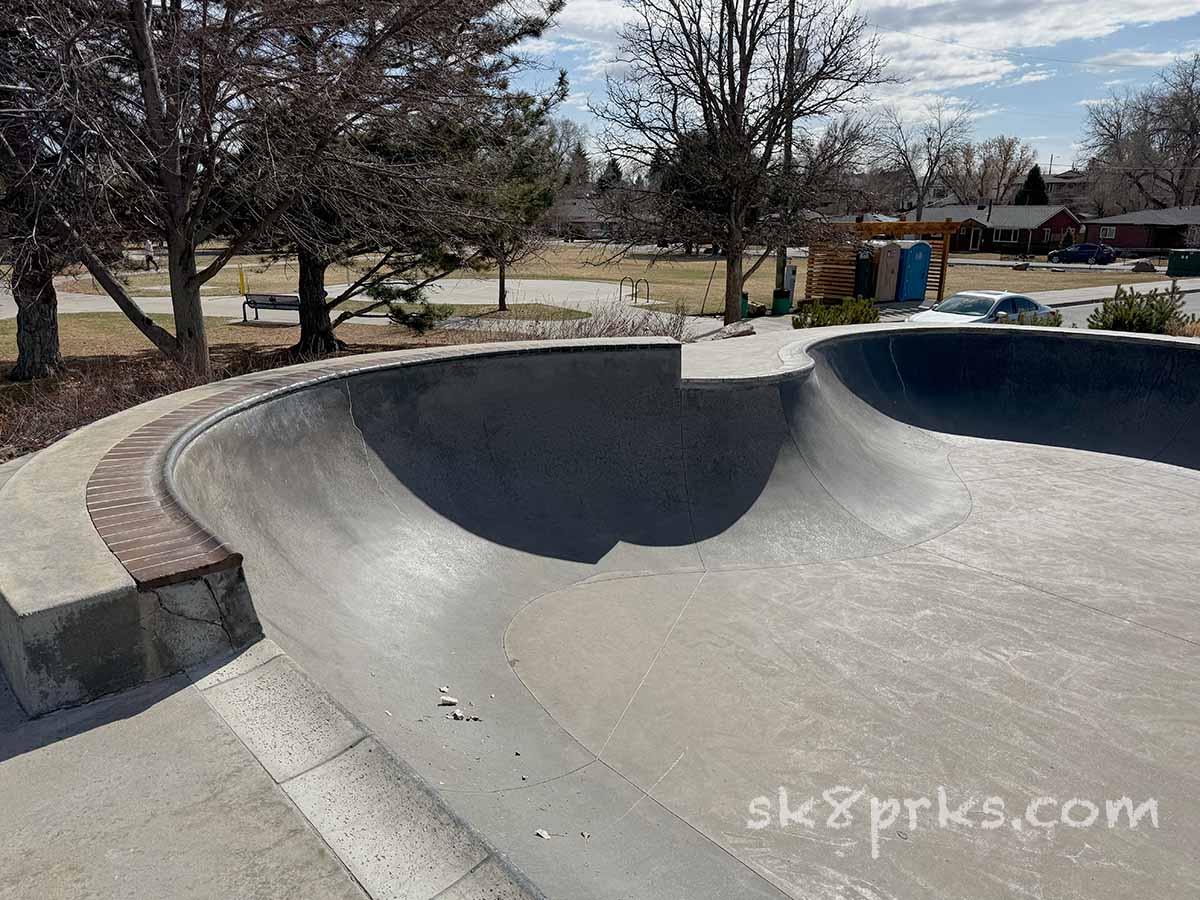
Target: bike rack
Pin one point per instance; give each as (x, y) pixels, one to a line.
(632, 290)
(635, 289)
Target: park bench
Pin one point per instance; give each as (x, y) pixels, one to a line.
(269, 301)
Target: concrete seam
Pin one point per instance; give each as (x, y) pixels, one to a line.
(657, 653)
(704, 837)
(475, 868)
(287, 797)
(240, 675)
(328, 759)
(532, 891)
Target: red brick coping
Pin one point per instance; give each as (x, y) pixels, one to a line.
(129, 497)
(129, 500)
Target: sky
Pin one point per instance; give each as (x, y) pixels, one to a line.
(1030, 68)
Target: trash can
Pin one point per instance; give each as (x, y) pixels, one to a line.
(745, 304)
(1183, 264)
(781, 302)
(864, 273)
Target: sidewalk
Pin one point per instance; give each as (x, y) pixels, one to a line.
(149, 794)
(1081, 296)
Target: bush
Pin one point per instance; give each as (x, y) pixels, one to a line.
(851, 311)
(1148, 312)
(1052, 319)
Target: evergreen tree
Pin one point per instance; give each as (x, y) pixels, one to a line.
(610, 177)
(1033, 191)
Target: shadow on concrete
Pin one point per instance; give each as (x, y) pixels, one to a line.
(1129, 398)
(20, 734)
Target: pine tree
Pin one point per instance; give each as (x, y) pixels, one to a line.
(1033, 191)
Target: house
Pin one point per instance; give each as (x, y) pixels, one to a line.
(862, 217)
(1069, 188)
(577, 216)
(1148, 229)
(1006, 229)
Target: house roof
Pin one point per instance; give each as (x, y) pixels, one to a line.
(866, 217)
(997, 217)
(1068, 176)
(1174, 215)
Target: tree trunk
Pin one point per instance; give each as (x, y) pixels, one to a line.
(38, 354)
(503, 289)
(185, 302)
(733, 279)
(316, 330)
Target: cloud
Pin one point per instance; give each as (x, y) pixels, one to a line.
(1089, 102)
(1032, 77)
(1149, 59)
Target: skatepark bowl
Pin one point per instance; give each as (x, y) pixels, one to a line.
(922, 567)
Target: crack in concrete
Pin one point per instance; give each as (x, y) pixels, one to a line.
(219, 622)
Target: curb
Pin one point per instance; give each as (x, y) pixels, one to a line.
(394, 835)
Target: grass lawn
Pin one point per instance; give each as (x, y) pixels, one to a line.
(111, 367)
(674, 280)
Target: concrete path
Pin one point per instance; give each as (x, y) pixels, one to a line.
(150, 795)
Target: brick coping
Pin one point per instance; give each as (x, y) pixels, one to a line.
(130, 494)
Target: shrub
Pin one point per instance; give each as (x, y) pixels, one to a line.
(1147, 312)
(851, 311)
(1052, 319)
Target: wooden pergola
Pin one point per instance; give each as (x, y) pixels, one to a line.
(832, 263)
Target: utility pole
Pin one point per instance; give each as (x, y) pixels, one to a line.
(781, 256)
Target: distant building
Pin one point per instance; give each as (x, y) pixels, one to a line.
(1148, 229)
(863, 217)
(1069, 188)
(576, 216)
(1006, 229)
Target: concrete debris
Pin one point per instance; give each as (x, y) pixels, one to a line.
(1144, 265)
(1021, 267)
(447, 701)
(543, 834)
(444, 689)
(458, 715)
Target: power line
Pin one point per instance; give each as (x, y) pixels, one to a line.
(1051, 59)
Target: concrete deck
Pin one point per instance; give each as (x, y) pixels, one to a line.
(676, 584)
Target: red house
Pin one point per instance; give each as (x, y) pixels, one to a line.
(1147, 229)
(1006, 229)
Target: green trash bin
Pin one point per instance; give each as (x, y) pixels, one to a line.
(1183, 264)
(745, 304)
(781, 302)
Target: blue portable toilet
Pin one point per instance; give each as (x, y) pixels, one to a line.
(914, 270)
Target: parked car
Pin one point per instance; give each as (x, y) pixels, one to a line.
(1095, 254)
(980, 306)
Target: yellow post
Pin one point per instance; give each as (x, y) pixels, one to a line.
(241, 281)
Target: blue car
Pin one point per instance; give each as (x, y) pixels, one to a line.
(1095, 254)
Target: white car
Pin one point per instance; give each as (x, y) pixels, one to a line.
(981, 306)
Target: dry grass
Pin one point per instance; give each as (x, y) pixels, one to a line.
(111, 367)
(674, 279)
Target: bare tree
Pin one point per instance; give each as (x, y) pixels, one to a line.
(920, 150)
(177, 91)
(709, 80)
(988, 170)
(1150, 139)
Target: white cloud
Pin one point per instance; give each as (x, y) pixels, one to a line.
(1089, 102)
(1150, 59)
(1032, 77)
